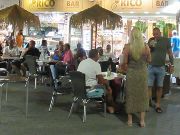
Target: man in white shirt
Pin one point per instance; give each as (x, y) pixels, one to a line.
(11, 50)
(92, 70)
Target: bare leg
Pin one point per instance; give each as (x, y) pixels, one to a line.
(129, 122)
(142, 117)
(158, 96)
(150, 94)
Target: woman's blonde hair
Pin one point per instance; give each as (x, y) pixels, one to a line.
(136, 43)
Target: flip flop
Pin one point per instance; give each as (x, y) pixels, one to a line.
(158, 110)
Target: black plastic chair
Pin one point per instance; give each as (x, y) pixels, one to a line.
(79, 89)
(30, 61)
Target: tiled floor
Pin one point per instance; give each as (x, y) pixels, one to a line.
(42, 122)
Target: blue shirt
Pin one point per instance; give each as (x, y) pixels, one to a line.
(175, 40)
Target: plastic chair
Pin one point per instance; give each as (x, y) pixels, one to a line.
(79, 89)
(32, 68)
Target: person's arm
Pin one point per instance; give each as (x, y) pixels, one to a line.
(5, 51)
(148, 54)
(101, 80)
(169, 52)
(171, 60)
(126, 54)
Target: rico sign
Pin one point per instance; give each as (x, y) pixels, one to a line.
(43, 3)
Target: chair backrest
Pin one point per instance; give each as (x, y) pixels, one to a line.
(78, 84)
(31, 63)
(105, 65)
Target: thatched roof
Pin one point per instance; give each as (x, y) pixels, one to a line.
(96, 14)
(18, 16)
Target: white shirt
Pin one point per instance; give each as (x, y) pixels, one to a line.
(111, 55)
(11, 52)
(90, 68)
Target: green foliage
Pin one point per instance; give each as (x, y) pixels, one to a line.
(142, 26)
(166, 28)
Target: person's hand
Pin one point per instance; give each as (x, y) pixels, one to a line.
(171, 69)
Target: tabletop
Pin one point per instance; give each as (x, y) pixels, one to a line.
(11, 58)
(12, 78)
(112, 76)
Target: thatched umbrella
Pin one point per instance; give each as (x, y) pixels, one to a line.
(18, 16)
(96, 15)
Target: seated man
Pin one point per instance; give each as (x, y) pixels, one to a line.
(33, 51)
(92, 70)
(12, 51)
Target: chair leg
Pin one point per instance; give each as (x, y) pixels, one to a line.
(84, 114)
(52, 100)
(105, 108)
(7, 91)
(35, 83)
(1, 85)
(72, 106)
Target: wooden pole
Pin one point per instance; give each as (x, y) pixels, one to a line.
(95, 34)
(91, 36)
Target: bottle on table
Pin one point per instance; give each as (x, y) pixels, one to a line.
(109, 70)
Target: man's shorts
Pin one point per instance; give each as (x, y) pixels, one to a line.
(158, 73)
(96, 91)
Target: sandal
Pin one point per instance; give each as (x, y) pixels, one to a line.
(158, 109)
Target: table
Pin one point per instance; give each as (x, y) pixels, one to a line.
(44, 62)
(11, 58)
(112, 76)
(117, 83)
(13, 78)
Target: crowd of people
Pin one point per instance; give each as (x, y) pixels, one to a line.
(142, 63)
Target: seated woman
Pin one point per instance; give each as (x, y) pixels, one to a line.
(59, 51)
(68, 57)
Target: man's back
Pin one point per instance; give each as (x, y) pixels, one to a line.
(90, 68)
